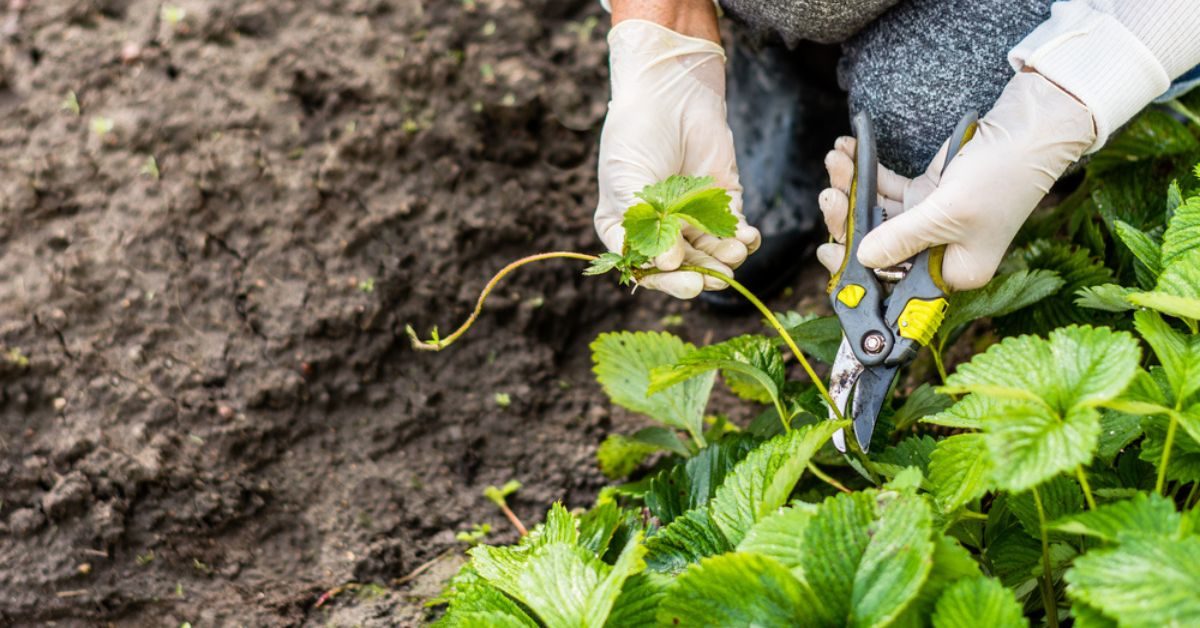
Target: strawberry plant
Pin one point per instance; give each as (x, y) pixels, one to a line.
(1050, 477)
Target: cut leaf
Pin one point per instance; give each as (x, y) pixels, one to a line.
(978, 602)
(622, 363)
(1143, 581)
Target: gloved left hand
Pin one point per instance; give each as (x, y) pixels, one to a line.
(1021, 147)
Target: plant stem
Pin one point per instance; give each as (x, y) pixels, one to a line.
(937, 361)
(1166, 455)
(439, 344)
(1191, 495)
(971, 514)
(1087, 488)
(1048, 598)
(774, 323)
(512, 518)
(1184, 111)
(826, 478)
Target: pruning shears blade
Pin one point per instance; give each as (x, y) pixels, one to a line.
(859, 393)
(869, 395)
(843, 377)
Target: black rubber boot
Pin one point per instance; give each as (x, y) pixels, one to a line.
(785, 111)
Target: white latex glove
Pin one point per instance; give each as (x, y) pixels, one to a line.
(1022, 146)
(666, 117)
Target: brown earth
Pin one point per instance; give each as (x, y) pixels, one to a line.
(208, 409)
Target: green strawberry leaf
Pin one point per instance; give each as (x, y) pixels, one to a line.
(1002, 295)
(649, 232)
(1144, 247)
(735, 589)
(776, 535)
(960, 470)
(622, 362)
(755, 363)
(817, 336)
(1145, 514)
(653, 227)
(672, 492)
(1142, 581)
(977, 602)
(1179, 353)
(922, 402)
(1108, 297)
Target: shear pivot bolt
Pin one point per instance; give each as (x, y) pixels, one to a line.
(873, 343)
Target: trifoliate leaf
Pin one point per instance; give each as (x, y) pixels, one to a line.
(779, 534)
(639, 600)
(1179, 353)
(760, 484)
(1108, 297)
(817, 336)
(622, 363)
(1044, 393)
(924, 401)
(1143, 581)
(652, 227)
(1060, 496)
(978, 602)
(1144, 515)
(619, 455)
(691, 485)
(1002, 295)
(1144, 247)
(736, 589)
(649, 232)
(1077, 366)
(865, 557)
(688, 538)
(959, 470)
(755, 361)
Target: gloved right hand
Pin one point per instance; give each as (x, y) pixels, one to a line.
(667, 117)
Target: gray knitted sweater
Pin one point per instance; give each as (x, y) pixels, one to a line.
(825, 21)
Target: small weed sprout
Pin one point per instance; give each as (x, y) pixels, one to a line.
(70, 103)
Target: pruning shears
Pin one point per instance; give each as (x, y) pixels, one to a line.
(887, 314)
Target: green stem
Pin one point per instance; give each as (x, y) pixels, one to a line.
(1048, 598)
(1167, 444)
(774, 323)
(941, 366)
(439, 344)
(971, 514)
(1191, 495)
(1087, 488)
(1184, 111)
(824, 477)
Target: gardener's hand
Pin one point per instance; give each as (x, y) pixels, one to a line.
(666, 117)
(1032, 134)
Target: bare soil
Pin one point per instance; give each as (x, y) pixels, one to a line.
(209, 412)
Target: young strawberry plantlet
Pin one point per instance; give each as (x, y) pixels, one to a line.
(651, 227)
